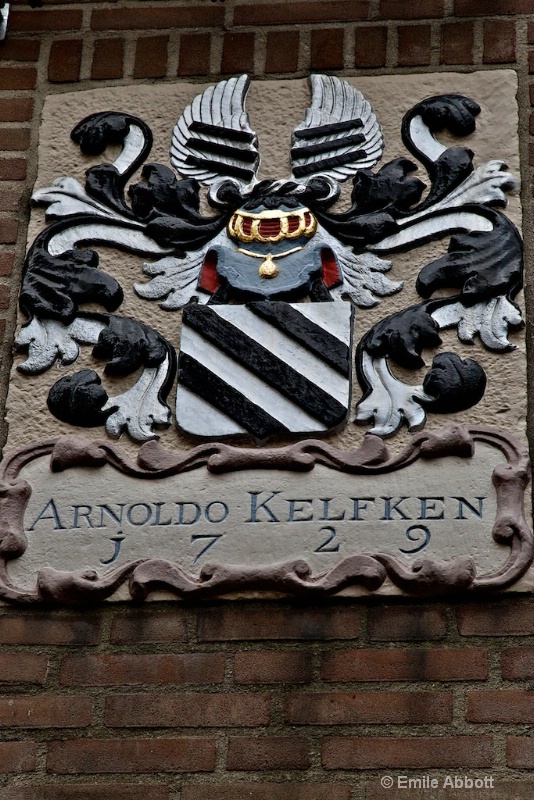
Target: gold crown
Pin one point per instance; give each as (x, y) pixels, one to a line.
(272, 225)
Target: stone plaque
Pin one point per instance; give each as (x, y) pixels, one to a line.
(333, 258)
(445, 514)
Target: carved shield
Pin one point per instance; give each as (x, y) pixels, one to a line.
(264, 368)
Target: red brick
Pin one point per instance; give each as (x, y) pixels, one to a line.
(86, 791)
(8, 231)
(514, 706)
(414, 45)
(195, 54)
(145, 19)
(531, 65)
(45, 20)
(457, 40)
(238, 52)
(370, 46)
(267, 753)
(406, 623)
(10, 199)
(4, 304)
(282, 51)
(6, 268)
(147, 626)
(272, 667)
(480, 8)
(24, 3)
(108, 57)
(531, 91)
(17, 756)
(20, 50)
(531, 32)
(37, 711)
(401, 665)
(22, 667)
(49, 629)
(17, 77)
(531, 120)
(348, 708)
(14, 138)
(499, 41)
(415, 9)
(151, 57)
(65, 61)
(116, 670)
(377, 752)
(518, 664)
(266, 791)
(327, 48)
(12, 169)
(92, 756)
(187, 709)
(520, 752)
(301, 13)
(317, 624)
(16, 109)
(513, 619)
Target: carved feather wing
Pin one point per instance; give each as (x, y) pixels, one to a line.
(213, 138)
(340, 133)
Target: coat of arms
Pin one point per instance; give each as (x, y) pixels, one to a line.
(271, 279)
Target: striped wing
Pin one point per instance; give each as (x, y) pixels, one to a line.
(265, 368)
(340, 133)
(213, 138)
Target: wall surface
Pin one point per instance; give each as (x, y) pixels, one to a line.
(262, 700)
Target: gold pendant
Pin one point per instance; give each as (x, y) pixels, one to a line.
(268, 268)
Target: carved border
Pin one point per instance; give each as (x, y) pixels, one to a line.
(425, 577)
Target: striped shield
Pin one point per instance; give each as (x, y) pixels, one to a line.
(264, 368)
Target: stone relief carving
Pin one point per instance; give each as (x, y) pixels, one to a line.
(423, 575)
(268, 281)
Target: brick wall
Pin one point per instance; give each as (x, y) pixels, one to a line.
(263, 701)
(255, 701)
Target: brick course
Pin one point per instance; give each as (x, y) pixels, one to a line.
(301, 13)
(92, 756)
(108, 58)
(187, 710)
(123, 670)
(151, 57)
(272, 667)
(157, 18)
(370, 46)
(326, 623)
(17, 756)
(499, 42)
(350, 752)
(414, 45)
(84, 791)
(267, 753)
(65, 60)
(399, 665)
(49, 629)
(457, 42)
(343, 708)
(29, 711)
(406, 623)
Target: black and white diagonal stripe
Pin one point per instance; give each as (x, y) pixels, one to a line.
(264, 368)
